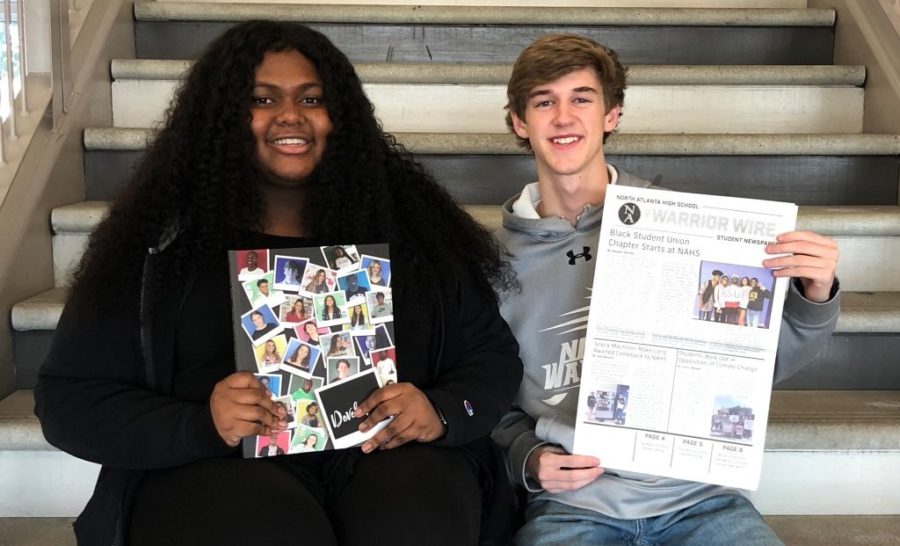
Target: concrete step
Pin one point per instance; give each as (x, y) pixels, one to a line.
(836, 530)
(793, 530)
(866, 236)
(470, 98)
(818, 442)
(862, 354)
(861, 312)
(496, 34)
(37, 532)
(788, 4)
(488, 168)
(498, 74)
(38, 480)
(422, 13)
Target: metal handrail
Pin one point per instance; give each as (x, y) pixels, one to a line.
(10, 71)
(61, 70)
(11, 75)
(23, 71)
(15, 92)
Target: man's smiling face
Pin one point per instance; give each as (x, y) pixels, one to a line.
(565, 121)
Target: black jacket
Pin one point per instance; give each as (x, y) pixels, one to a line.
(104, 392)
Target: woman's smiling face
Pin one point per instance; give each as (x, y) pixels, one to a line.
(289, 120)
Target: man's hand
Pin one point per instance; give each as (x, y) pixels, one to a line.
(811, 257)
(241, 406)
(557, 471)
(414, 417)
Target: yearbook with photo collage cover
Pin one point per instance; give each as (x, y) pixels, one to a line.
(316, 327)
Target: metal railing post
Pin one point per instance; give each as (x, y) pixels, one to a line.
(61, 75)
(10, 69)
(23, 72)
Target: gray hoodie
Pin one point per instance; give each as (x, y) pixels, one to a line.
(554, 262)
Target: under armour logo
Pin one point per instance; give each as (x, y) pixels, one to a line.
(585, 253)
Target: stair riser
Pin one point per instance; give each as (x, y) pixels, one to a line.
(851, 361)
(31, 349)
(855, 269)
(824, 482)
(106, 172)
(67, 251)
(502, 44)
(491, 179)
(53, 484)
(869, 264)
(701, 109)
(44, 484)
(847, 361)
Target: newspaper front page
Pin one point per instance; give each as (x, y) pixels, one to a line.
(682, 334)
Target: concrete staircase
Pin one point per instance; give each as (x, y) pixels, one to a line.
(742, 102)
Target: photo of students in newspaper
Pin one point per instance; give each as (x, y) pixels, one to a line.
(732, 419)
(734, 294)
(608, 404)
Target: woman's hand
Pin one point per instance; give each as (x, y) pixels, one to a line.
(414, 417)
(241, 406)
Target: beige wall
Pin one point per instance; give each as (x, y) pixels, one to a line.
(892, 9)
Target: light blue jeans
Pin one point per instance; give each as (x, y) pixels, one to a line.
(724, 520)
(753, 317)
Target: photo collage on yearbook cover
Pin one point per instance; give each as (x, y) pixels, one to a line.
(316, 327)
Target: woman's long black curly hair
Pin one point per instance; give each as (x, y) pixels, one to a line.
(201, 175)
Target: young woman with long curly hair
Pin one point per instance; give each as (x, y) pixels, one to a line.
(267, 137)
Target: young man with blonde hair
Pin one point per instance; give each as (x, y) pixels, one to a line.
(565, 97)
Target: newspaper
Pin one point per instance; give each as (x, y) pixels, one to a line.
(681, 336)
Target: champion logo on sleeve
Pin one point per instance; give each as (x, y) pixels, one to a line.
(469, 409)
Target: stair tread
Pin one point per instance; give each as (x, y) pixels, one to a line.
(831, 530)
(861, 312)
(135, 139)
(871, 312)
(834, 221)
(78, 217)
(19, 428)
(40, 312)
(475, 73)
(798, 420)
(478, 108)
(37, 532)
(484, 15)
(835, 530)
